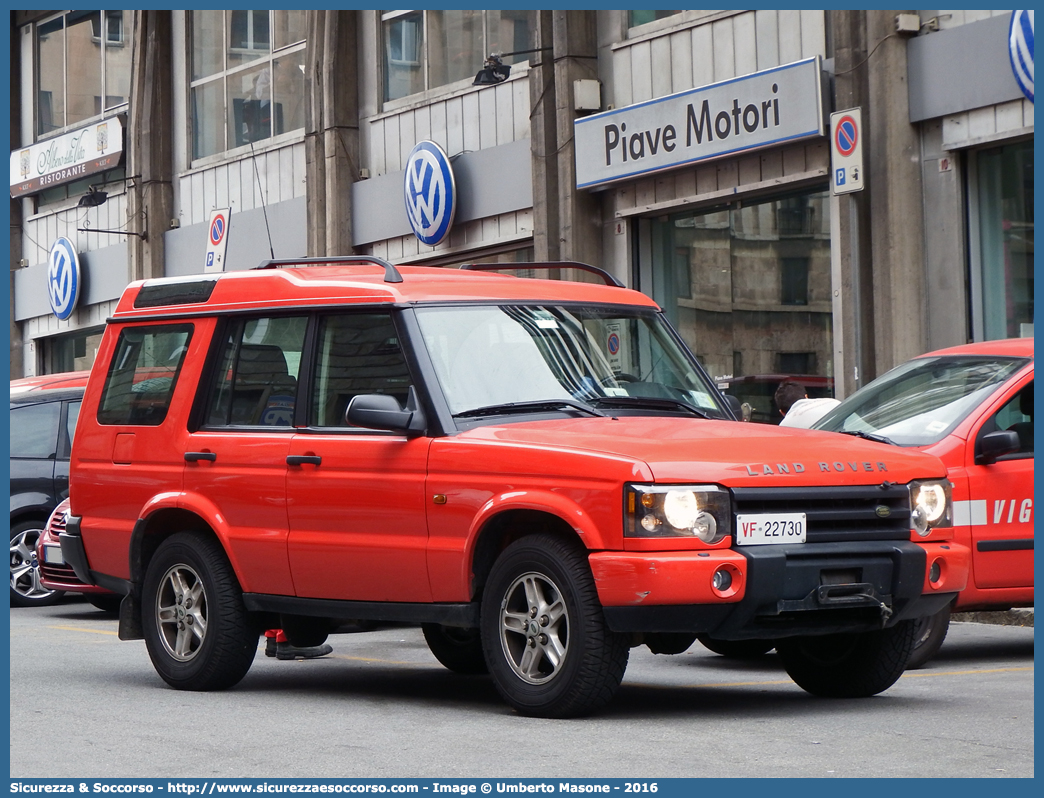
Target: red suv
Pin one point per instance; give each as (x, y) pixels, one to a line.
(537, 471)
(971, 406)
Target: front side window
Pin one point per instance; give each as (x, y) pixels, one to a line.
(921, 402)
(247, 76)
(490, 358)
(255, 382)
(427, 49)
(359, 353)
(83, 67)
(143, 374)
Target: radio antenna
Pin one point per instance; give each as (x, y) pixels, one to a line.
(264, 209)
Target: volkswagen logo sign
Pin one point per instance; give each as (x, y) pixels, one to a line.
(431, 193)
(63, 278)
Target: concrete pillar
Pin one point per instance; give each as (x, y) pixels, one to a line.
(544, 141)
(896, 201)
(15, 126)
(575, 42)
(854, 326)
(332, 130)
(150, 161)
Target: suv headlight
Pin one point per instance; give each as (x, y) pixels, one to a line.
(656, 511)
(930, 505)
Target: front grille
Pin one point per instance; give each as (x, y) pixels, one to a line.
(57, 524)
(58, 573)
(836, 514)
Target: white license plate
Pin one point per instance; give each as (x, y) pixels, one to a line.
(764, 528)
(53, 554)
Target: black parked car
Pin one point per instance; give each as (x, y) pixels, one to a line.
(43, 418)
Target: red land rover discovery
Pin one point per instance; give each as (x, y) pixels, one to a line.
(537, 471)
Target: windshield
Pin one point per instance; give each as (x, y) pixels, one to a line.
(489, 357)
(921, 402)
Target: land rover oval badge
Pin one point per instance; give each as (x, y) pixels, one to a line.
(883, 510)
(63, 278)
(431, 193)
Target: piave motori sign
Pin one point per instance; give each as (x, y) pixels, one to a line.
(759, 110)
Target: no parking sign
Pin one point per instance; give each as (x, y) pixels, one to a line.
(846, 149)
(217, 240)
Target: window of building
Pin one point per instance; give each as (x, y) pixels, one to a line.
(427, 49)
(83, 68)
(247, 78)
(1001, 227)
(643, 16)
(73, 352)
(756, 300)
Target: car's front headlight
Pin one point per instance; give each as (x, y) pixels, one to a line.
(930, 505)
(656, 511)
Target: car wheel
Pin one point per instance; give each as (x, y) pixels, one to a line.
(737, 649)
(546, 642)
(929, 637)
(26, 590)
(458, 649)
(853, 665)
(106, 602)
(197, 630)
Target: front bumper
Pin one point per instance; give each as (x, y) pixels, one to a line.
(783, 591)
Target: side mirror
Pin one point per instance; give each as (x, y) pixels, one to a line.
(380, 411)
(996, 444)
(735, 406)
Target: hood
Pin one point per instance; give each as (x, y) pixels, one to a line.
(725, 452)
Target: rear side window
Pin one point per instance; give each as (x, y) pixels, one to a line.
(34, 430)
(255, 383)
(143, 373)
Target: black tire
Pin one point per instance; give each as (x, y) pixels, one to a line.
(190, 585)
(540, 597)
(457, 648)
(669, 642)
(26, 590)
(929, 637)
(854, 665)
(737, 649)
(106, 602)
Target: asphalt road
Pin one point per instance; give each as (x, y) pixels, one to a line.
(86, 705)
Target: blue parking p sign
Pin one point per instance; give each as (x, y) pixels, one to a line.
(839, 177)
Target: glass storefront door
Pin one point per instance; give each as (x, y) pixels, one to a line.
(1002, 263)
(749, 290)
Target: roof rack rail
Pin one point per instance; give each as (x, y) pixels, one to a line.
(391, 274)
(560, 264)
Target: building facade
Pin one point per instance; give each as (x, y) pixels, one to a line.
(688, 153)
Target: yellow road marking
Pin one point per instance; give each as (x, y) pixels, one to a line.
(964, 673)
(81, 629)
(788, 681)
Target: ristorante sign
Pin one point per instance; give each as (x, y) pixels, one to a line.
(66, 158)
(759, 110)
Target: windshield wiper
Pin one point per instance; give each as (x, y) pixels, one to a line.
(521, 407)
(867, 436)
(642, 402)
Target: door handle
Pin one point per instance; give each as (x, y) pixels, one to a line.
(192, 457)
(301, 459)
